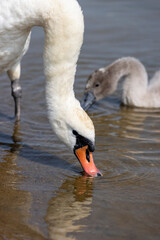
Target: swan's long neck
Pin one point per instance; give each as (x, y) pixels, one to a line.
(64, 29)
(136, 79)
(63, 24)
(63, 40)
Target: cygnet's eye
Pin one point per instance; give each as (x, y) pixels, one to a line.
(97, 85)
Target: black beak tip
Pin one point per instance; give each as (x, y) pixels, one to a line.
(99, 175)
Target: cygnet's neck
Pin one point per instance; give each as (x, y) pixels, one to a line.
(136, 79)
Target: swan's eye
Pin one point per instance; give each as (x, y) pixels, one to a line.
(97, 85)
(81, 142)
(75, 133)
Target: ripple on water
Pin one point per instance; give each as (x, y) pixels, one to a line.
(127, 141)
(127, 168)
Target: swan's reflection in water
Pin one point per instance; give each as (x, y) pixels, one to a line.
(14, 203)
(72, 203)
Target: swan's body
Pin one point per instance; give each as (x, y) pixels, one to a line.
(137, 90)
(63, 25)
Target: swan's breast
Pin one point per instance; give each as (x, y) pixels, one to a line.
(14, 35)
(13, 46)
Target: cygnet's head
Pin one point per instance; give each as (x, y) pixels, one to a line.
(97, 87)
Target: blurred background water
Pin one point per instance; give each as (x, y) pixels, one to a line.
(42, 192)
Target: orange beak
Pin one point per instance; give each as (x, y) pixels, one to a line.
(86, 159)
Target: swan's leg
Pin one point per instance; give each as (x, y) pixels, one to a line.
(16, 91)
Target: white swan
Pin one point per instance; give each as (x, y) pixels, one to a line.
(63, 24)
(137, 90)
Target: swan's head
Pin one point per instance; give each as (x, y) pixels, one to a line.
(97, 87)
(75, 129)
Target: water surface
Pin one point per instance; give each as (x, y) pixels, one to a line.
(43, 194)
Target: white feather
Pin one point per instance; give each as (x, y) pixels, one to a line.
(63, 25)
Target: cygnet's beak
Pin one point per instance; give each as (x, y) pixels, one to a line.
(86, 159)
(87, 100)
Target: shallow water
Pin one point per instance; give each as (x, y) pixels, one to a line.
(42, 192)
